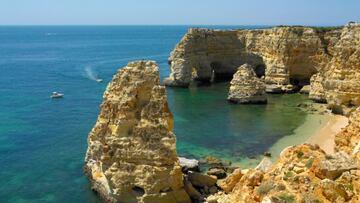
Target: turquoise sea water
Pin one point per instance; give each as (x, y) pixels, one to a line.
(43, 141)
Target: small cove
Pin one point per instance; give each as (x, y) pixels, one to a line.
(206, 124)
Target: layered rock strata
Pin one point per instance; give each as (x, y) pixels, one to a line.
(246, 88)
(131, 154)
(284, 55)
(342, 75)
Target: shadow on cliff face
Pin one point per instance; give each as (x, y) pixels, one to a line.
(222, 70)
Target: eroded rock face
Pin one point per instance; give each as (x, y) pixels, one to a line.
(317, 92)
(342, 76)
(131, 155)
(246, 87)
(283, 55)
(295, 178)
(348, 139)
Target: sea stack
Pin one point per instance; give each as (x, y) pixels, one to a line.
(246, 87)
(131, 154)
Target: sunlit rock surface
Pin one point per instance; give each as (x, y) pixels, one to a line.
(131, 155)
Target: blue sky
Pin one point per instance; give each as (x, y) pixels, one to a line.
(169, 12)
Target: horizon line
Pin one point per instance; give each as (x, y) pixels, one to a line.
(260, 25)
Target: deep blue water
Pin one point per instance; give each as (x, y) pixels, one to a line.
(43, 141)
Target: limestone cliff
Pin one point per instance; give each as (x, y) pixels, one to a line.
(302, 174)
(287, 56)
(246, 87)
(284, 55)
(131, 155)
(342, 75)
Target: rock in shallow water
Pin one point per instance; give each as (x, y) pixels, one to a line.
(246, 87)
(131, 155)
(305, 89)
(189, 164)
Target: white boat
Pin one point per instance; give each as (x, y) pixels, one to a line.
(56, 95)
(99, 80)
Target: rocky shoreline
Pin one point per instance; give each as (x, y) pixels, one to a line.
(132, 156)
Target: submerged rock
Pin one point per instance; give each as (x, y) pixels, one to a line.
(246, 87)
(131, 155)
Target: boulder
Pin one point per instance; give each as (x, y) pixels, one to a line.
(189, 164)
(334, 165)
(193, 193)
(246, 87)
(218, 172)
(264, 165)
(305, 89)
(274, 89)
(229, 183)
(201, 180)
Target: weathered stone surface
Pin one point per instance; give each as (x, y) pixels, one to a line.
(229, 183)
(317, 92)
(333, 191)
(335, 165)
(201, 180)
(246, 87)
(293, 179)
(342, 74)
(131, 155)
(283, 55)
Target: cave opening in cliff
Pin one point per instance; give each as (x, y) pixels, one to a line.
(218, 74)
(138, 191)
(260, 70)
(301, 73)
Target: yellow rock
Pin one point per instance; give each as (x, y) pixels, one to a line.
(131, 155)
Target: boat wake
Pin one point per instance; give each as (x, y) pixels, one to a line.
(91, 74)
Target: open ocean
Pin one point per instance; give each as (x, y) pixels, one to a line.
(43, 141)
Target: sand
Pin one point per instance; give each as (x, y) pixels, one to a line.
(317, 129)
(325, 136)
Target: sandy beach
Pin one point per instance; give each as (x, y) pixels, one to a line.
(324, 137)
